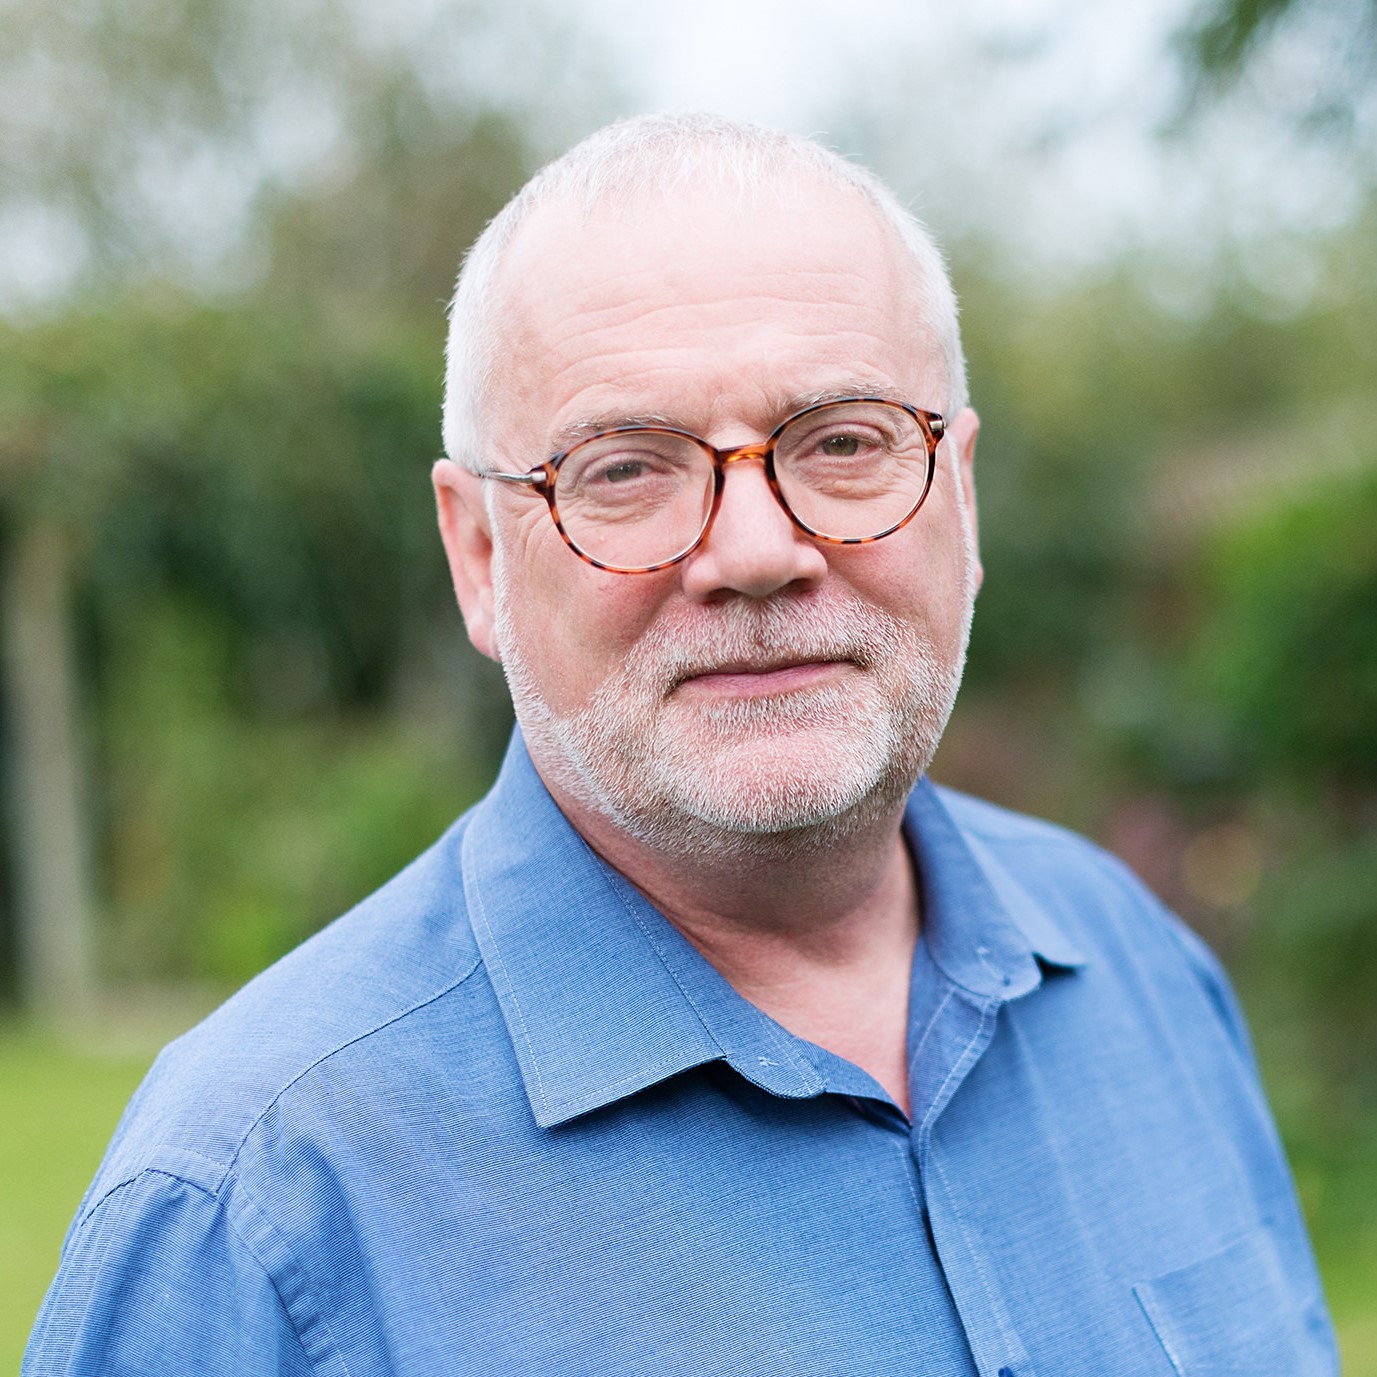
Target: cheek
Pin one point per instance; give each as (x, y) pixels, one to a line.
(921, 578)
(571, 625)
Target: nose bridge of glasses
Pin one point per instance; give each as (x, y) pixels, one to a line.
(759, 450)
(765, 486)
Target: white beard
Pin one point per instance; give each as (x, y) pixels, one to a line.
(756, 776)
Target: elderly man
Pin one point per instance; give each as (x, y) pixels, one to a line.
(716, 1039)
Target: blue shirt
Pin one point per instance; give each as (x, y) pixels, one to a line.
(504, 1119)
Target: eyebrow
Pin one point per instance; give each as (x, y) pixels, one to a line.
(782, 407)
(574, 431)
(858, 387)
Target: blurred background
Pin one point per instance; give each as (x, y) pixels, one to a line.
(236, 696)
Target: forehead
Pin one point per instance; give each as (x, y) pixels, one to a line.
(685, 304)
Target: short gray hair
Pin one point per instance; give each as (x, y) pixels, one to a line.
(653, 153)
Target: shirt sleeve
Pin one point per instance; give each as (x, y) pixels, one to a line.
(156, 1281)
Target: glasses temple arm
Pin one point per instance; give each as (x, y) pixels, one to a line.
(525, 480)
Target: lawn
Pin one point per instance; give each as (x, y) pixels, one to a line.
(60, 1105)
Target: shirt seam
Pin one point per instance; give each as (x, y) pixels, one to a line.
(214, 1196)
(1056, 837)
(931, 1024)
(333, 1052)
(1149, 1308)
(905, 1160)
(995, 1308)
(957, 1066)
(322, 1317)
(630, 910)
(596, 1099)
(481, 916)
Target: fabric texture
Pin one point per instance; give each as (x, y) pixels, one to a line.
(503, 1119)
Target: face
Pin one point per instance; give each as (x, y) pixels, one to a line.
(767, 685)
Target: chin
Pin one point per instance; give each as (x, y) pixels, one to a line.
(780, 787)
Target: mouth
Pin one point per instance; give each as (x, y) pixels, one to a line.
(762, 677)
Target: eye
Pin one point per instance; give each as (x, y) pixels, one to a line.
(629, 472)
(620, 471)
(625, 468)
(841, 446)
(851, 442)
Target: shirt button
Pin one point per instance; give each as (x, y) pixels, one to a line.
(1006, 1372)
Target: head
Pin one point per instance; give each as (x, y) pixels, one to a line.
(653, 156)
(767, 689)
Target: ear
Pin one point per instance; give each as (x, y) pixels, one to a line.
(467, 534)
(962, 433)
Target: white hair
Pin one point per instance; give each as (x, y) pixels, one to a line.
(651, 154)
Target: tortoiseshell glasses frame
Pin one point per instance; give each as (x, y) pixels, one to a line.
(544, 478)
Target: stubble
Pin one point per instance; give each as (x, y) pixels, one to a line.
(754, 777)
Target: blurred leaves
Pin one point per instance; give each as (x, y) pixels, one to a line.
(1226, 31)
(265, 610)
(1287, 650)
(193, 141)
(246, 455)
(1313, 59)
(234, 226)
(230, 836)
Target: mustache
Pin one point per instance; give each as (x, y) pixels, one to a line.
(761, 635)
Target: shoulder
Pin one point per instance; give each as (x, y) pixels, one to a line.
(1091, 895)
(1044, 859)
(1003, 827)
(1040, 853)
(343, 994)
(281, 1131)
(163, 1277)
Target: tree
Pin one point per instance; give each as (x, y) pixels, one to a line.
(323, 174)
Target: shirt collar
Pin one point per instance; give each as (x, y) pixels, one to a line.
(984, 930)
(603, 996)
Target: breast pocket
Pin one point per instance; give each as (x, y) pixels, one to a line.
(1233, 1314)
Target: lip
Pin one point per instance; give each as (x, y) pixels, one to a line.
(758, 680)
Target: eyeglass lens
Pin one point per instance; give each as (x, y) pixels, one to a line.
(849, 470)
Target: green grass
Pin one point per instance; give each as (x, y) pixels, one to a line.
(1338, 1198)
(60, 1106)
(61, 1103)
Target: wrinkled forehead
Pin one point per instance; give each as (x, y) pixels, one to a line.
(690, 255)
(682, 232)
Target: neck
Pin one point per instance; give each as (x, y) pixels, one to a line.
(815, 927)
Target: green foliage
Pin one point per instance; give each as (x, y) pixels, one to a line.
(1315, 941)
(1227, 30)
(1332, 42)
(1078, 393)
(1287, 652)
(231, 835)
(249, 455)
(261, 586)
(186, 141)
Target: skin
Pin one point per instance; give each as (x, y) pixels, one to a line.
(724, 321)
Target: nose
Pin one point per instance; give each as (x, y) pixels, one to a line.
(752, 548)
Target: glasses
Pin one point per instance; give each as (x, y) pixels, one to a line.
(639, 498)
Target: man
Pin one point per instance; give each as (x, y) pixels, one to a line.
(715, 1040)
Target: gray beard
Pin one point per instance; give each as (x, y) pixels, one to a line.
(725, 778)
